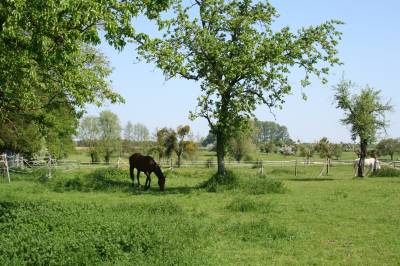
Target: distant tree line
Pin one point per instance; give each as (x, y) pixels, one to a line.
(104, 137)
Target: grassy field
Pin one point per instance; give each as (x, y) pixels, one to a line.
(97, 217)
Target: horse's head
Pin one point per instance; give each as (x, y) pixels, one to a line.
(161, 177)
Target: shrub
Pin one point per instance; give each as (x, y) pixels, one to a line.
(221, 182)
(386, 172)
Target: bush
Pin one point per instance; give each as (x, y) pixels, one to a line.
(221, 182)
(386, 172)
(258, 186)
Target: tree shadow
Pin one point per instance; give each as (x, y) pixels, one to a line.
(312, 179)
(167, 191)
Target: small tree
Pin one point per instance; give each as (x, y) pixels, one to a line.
(364, 113)
(110, 134)
(325, 148)
(89, 133)
(306, 151)
(182, 131)
(166, 143)
(388, 147)
(128, 141)
(337, 151)
(242, 147)
(140, 133)
(190, 148)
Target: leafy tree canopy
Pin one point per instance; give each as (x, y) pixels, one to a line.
(364, 113)
(240, 62)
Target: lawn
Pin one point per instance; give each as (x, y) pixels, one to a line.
(97, 217)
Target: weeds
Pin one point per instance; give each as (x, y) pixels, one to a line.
(386, 172)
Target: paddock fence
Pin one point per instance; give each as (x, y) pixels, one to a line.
(17, 164)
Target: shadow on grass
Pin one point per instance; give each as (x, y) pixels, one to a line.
(312, 179)
(102, 183)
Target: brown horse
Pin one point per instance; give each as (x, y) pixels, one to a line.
(147, 165)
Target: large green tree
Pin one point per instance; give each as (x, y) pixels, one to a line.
(47, 59)
(364, 113)
(231, 49)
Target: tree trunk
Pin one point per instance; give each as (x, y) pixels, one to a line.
(363, 155)
(107, 158)
(221, 153)
(179, 160)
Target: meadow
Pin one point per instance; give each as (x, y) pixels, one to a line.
(96, 217)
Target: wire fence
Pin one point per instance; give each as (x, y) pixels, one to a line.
(18, 164)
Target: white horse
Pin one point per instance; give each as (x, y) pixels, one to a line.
(370, 163)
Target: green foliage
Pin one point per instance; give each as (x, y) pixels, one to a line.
(89, 135)
(241, 62)
(246, 204)
(307, 151)
(107, 227)
(220, 182)
(241, 146)
(52, 234)
(260, 230)
(166, 142)
(386, 172)
(337, 151)
(324, 148)
(259, 186)
(182, 132)
(364, 113)
(270, 132)
(388, 147)
(50, 68)
(109, 179)
(110, 134)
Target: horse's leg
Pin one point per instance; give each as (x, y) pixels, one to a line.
(131, 168)
(137, 177)
(148, 180)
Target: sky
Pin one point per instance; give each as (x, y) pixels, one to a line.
(369, 50)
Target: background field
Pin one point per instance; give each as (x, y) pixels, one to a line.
(96, 217)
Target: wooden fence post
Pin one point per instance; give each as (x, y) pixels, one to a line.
(118, 162)
(6, 170)
(327, 166)
(170, 164)
(295, 168)
(49, 168)
(262, 168)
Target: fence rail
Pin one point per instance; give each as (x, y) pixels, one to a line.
(17, 164)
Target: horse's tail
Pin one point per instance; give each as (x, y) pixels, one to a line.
(131, 166)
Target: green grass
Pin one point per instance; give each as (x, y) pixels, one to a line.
(96, 217)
